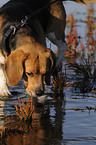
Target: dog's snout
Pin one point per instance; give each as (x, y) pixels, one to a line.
(39, 92)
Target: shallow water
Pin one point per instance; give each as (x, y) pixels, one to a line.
(58, 121)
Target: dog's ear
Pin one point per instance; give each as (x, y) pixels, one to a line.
(14, 67)
(51, 63)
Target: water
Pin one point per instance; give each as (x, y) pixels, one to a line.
(3, 2)
(57, 121)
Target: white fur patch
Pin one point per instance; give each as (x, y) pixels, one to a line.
(4, 91)
(62, 46)
(2, 59)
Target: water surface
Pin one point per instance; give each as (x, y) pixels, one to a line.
(56, 121)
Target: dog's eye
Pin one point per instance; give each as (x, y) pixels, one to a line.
(29, 74)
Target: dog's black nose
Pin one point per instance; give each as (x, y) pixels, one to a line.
(39, 92)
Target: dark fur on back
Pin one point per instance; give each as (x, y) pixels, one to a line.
(16, 10)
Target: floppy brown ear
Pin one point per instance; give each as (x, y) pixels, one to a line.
(51, 63)
(14, 67)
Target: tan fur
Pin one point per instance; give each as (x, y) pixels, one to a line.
(31, 60)
(35, 61)
(14, 67)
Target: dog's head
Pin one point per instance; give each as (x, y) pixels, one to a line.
(31, 67)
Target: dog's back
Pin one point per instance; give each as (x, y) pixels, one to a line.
(51, 20)
(15, 10)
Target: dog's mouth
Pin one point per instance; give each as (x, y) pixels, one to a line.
(36, 94)
(40, 99)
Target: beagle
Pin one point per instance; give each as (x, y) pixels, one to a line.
(29, 58)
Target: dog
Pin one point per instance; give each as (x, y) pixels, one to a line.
(29, 58)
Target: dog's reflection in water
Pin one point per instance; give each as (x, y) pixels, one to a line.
(37, 131)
